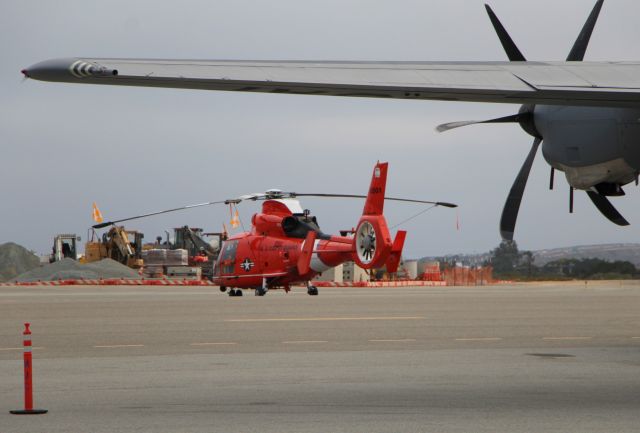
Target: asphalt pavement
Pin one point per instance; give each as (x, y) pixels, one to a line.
(513, 358)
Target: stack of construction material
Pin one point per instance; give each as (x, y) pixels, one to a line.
(184, 272)
(69, 269)
(177, 258)
(156, 261)
(15, 260)
(153, 263)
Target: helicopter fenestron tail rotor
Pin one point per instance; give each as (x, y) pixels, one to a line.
(365, 242)
(526, 120)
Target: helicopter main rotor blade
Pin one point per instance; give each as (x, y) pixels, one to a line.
(406, 200)
(512, 205)
(607, 209)
(108, 223)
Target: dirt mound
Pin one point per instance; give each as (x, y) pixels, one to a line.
(15, 260)
(69, 269)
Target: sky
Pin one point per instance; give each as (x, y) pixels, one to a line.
(137, 150)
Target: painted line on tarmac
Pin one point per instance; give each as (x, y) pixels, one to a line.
(400, 340)
(635, 338)
(7, 349)
(117, 346)
(480, 339)
(229, 343)
(324, 319)
(305, 342)
(566, 338)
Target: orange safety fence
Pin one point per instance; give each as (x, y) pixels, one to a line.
(463, 276)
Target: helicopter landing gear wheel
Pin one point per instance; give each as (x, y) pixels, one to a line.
(223, 289)
(261, 291)
(312, 290)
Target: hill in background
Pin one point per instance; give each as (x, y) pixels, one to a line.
(15, 260)
(608, 252)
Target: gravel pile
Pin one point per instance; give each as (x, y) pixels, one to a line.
(69, 269)
(15, 260)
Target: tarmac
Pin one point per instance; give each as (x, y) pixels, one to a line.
(509, 358)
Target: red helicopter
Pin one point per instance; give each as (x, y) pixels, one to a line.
(286, 246)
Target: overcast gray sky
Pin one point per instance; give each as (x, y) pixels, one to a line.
(135, 150)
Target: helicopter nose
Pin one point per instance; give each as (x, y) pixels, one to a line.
(25, 73)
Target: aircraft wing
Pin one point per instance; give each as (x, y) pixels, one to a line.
(612, 84)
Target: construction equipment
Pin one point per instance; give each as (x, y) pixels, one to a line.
(119, 244)
(64, 246)
(202, 254)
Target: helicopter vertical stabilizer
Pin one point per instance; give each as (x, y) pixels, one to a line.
(375, 198)
(372, 240)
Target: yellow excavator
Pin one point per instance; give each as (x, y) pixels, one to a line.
(119, 244)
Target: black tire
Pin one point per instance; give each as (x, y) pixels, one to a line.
(312, 291)
(238, 292)
(223, 289)
(260, 292)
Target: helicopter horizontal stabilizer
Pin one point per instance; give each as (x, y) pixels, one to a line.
(304, 261)
(393, 262)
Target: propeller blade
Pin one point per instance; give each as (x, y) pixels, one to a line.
(515, 118)
(406, 200)
(512, 205)
(513, 53)
(108, 223)
(580, 46)
(607, 209)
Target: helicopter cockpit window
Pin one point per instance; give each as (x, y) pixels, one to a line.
(227, 259)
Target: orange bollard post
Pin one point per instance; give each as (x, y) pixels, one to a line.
(28, 377)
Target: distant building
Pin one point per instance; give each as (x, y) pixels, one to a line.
(353, 273)
(411, 268)
(335, 275)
